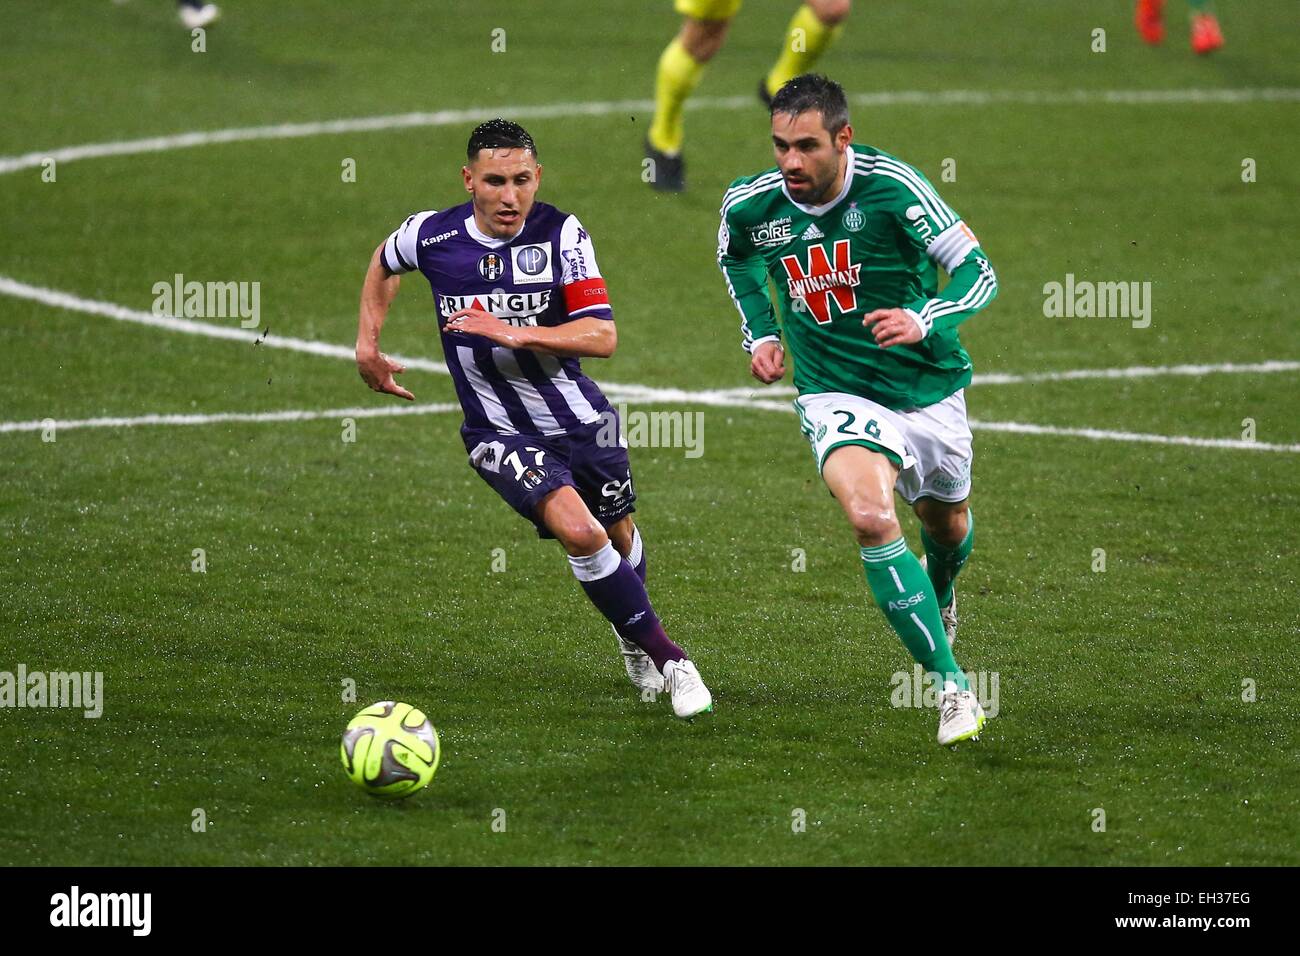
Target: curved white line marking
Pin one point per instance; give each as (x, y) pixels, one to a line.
(744, 397)
(366, 124)
(387, 411)
(379, 411)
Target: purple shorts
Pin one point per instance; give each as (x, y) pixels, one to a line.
(524, 469)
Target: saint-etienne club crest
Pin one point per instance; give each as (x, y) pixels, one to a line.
(491, 267)
(854, 219)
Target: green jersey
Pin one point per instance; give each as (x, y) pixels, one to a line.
(875, 245)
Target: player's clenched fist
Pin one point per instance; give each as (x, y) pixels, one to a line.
(768, 362)
(377, 371)
(892, 327)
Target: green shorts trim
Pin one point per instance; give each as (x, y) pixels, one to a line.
(869, 445)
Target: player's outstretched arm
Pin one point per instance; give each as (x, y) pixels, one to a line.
(584, 337)
(377, 294)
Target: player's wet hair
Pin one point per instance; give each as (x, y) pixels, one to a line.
(499, 134)
(812, 91)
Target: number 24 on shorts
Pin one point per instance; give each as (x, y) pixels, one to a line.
(871, 429)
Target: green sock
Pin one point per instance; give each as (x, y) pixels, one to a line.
(903, 591)
(943, 563)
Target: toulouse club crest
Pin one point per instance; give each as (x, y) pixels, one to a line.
(491, 267)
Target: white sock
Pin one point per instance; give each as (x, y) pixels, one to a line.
(634, 553)
(593, 567)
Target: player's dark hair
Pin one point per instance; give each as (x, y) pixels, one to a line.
(812, 91)
(499, 134)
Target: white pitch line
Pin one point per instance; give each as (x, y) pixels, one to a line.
(1077, 374)
(617, 392)
(380, 411)
(1101, 434)
(746, 395)
(1136, 371)
(109, 310)
(389, 411)
(366, 124)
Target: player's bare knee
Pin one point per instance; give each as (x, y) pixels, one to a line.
(874, 522)
(582, 538)
(702, 39)
(830, 12)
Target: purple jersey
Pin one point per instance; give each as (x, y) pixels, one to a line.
(545, 275)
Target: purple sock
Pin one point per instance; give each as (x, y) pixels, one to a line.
(636, 555)
(616, 590)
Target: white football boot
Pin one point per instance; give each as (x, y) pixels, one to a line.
(948, 614)
(196, 17)
(960, 716)
(640, 666)
(690, 696)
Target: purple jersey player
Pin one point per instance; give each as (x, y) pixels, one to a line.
(520, 300)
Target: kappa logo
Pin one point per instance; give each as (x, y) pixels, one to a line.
(438, 238)
(812, 232)
(822, 280)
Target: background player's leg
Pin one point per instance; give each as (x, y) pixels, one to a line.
(1150, 19)
(813, 28)
(680, 69)
(608, 579)
(863, 483)
(948, 533)
(1206, 34)
(627, 539)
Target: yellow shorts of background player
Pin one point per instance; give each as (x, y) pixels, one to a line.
(708, 9)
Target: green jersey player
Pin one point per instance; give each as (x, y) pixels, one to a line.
(851, 239)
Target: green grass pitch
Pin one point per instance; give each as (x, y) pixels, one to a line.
(371, 561)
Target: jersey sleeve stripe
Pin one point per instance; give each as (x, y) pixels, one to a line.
(747, 337)
(402, 259)
(745, 187)
(975, 297)
(947, 216)
(935, 207)
(758, 186)
(952, 246)
(982, 289)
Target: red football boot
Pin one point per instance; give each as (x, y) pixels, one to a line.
(1206, 35)
(1150, 19)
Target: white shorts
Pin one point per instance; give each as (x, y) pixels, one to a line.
(931, 445)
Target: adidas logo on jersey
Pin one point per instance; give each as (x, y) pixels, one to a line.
(812, 232)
